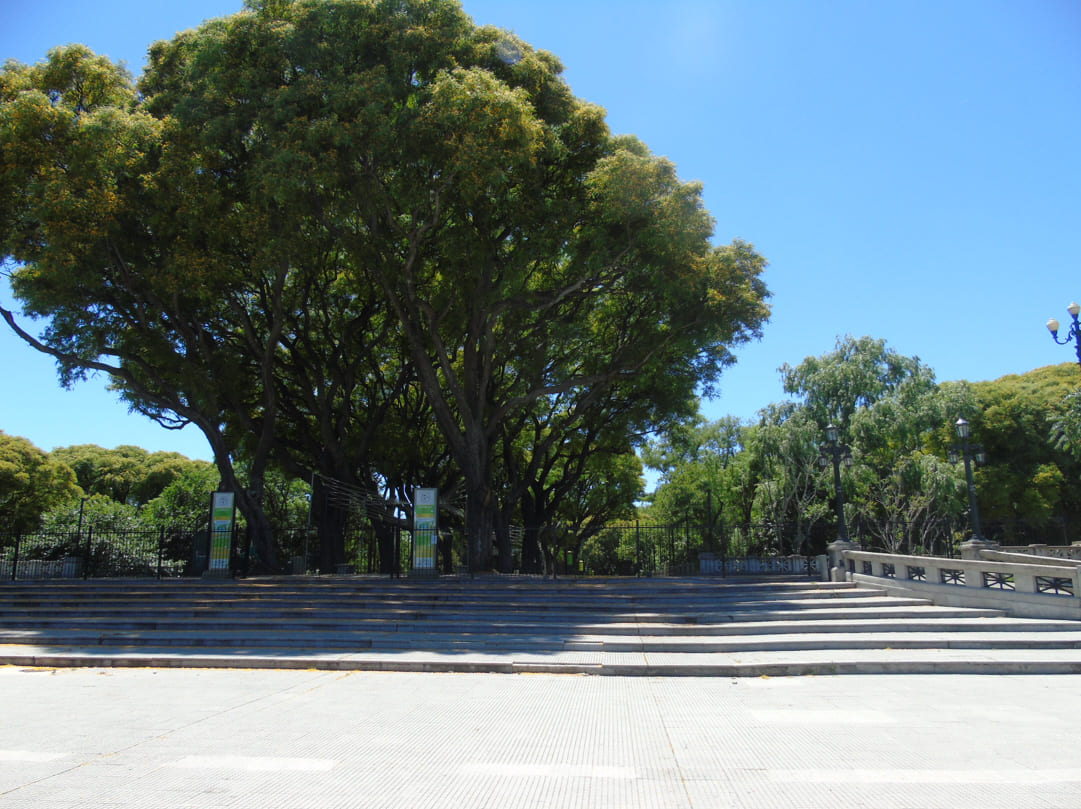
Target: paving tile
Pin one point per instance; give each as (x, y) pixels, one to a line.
(465, 741)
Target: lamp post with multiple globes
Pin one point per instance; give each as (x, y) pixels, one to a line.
(1073, 334)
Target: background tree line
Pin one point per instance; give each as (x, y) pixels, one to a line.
(901, 490)
(121, 489)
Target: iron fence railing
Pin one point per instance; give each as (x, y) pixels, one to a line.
(638, 548)
(97, 553)
(942, 537)
(627, 548)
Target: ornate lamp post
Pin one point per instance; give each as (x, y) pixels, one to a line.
(970, 453)
(1073, 334)
(833, 450)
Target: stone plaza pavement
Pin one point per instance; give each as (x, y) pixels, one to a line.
(143, 737)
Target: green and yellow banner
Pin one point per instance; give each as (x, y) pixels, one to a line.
(425, 527)
(222, 515)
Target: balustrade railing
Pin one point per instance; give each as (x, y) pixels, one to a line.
(1019, 583)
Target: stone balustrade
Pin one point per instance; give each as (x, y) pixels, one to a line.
(714, 564)
(1056, 551)
(1019, 584)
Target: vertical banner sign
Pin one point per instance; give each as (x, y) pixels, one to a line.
(222, 513)
(425, 527)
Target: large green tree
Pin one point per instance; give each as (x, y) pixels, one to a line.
(434, 185)
(528, 254)
(856, 374)
(697, 461)
(126, 474)
(31, 483)
(792, 493)
(110, 230)
(1030, 476)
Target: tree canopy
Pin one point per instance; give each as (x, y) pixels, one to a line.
(312, 218)
(899, 424)
(31, 483)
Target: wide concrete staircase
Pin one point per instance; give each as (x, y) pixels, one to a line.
(684, 627)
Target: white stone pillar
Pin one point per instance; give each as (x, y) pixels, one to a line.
(838, 568)
(971, 549)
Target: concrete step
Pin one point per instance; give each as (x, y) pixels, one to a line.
(312, 642)
(715, 602)
(540, 599)
(701, 627)
(675, 613)
(747, 664)
(870, 619)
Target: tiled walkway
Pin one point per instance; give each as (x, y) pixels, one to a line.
(204, 739)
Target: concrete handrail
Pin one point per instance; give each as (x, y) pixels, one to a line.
(1027, 558)
(1072, 552)
(1024, 571)
(1024, 586)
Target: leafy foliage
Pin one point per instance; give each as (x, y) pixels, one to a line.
(901, 491)
(309, 218)
(1029, 467)
(127, 474)
(31, 483)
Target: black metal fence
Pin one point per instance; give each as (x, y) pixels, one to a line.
(627, 549)
(635, 548)
(942, 537)
(299, 550)
(159, 553)
(688, 548)
(96, 552)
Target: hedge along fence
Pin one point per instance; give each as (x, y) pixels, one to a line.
(162, 552)
(99, 553)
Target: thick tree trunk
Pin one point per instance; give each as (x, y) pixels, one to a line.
(479, 521)
(504, 552)
(385, 534)
(332, 525)
(330, 521)
(446, 553)
(260, 546)
(263, 554)
(532, 543)
(532, 554)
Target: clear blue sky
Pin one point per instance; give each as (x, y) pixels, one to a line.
(910, 168)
